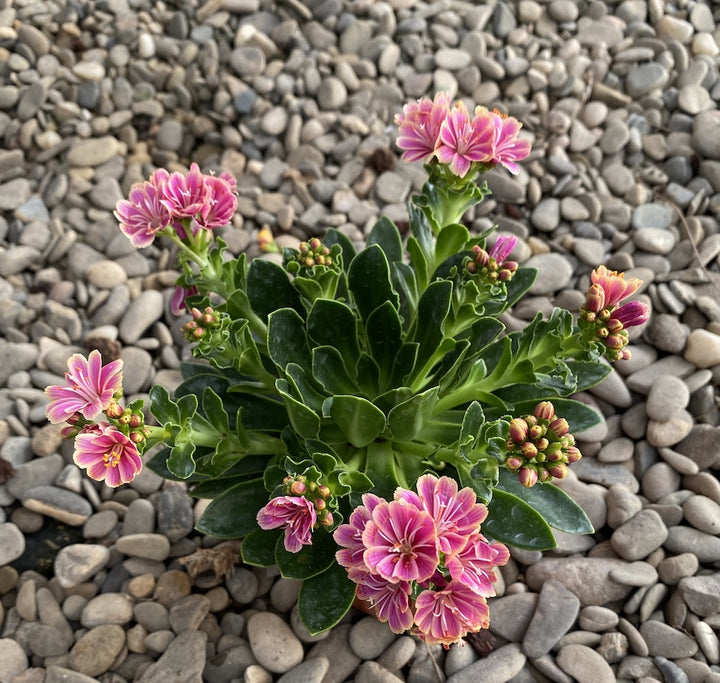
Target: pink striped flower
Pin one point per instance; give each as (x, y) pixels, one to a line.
(504, 244)
(143, 214)
(391, 600)
(419, 126)
(91, 387)
(507, 147)
(474, 565)
(456, 514)
(349, 536)
(185, 196)
(107, 454)
(177, 303)
(445, 616)
(631, 314)
(221, 202)
(615, 287)
(463, 141)
(401, 542)
(293, 513)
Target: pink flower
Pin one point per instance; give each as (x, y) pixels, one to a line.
(456, 514)
(446, 616)
(107, 454)
(90, 388)
(349, 536)
(390, 600)
(296, 514)
(221, 202)
(419, 126)
(629, 315)
(401, 542)
(463, 141)
(177, 303)
(473, 566)
(502, 248)
(185, 196)
(507, 147)
(144, 214)
(615, 286)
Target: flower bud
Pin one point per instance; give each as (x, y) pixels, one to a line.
(114, 410)
(471, 267)
(542, 444)
(327, 520)
(324, 491)
(297, 488)
(136, 437)
(518, 430)
(513, 463)
(68, 432)
(528, 477)
(309, 261)
(536, 431)
(529, 450)
(615, 342)
(559, 426)
(320, 504)
(124, 419)
(544, 410)
(559, 470)
(595, 298)
(135, 421)
(196, 314)
(315, 243)
(303, 248)
(545, 476)
(573, 454)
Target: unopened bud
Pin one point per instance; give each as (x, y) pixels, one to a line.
(114, 410)
(199, 332)
(573, 454)
(324, 491)
(319, 260)
(137, 437)
(528, 477)
(614, 325)
(297, 488)
(559, 426)
(545, 475)
(595, 298)
(320, 504)
(542, 444)
(67, 432)
(315, 243)
(327, 520)
(303, 248)
(544, 410)
(124, 419)
(196, 314)
(471, 267)
(309, 261)
(536, 431)
(615, 342)
(529, 450)
(135, 421)
(518, 430)
(513, 463)
(559, 471)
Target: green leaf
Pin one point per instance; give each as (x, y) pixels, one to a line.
(309, 560)
(579, 416)
(287, 341)
(432, 310)
(369, 281)
(325, 599)
(511, 520)
(368, 375)
(304, 387)
(332, 323)
(386, 234)
(406, 284)
(557, 508)
(232, 514)
(258, 547)
(180, 462)
(269, 289)
(450, 241)
(418, 260)
(215, 411)
(359, 420)
(158, 464)
(420, 226)
(357, 481)
(162, 407)
(404, 363)
(472, 422)
(588, 373)
(329, 369)
(333, 236)
(407, 419)
(303, 419)
(384, 331)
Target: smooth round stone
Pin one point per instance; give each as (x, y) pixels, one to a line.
(452, 59)
(672, 569)
(242, 585)
(704, 139)
(148, 546)
(666, 641)
(284, 594)
(701, 593)
(100, 524)
(501, 664)
(52, 501)
(622, 505)
(172, 586)
(273, 643)
(188, 613)
(401, 651)
(108, 608)
(703, 513)
(12, 543)
(694, 99)
(152, 616)
(79, 562)
(105, 274)
(332, 93)
(93, 152)
(13, 659)
(554, 273)
(653, 215)
(639, 536)
(597, 619)
(669, 432)
(701, 445)
(617, 450)
(584, 664)
(557, 609)
(546, 215)
(659, 480)
(635, 574)
(370, 637)
(140, 315)
(667, 395)
(315, 669)
(96, 651)
(682, 539)
(703, 347)
(139, 518)
(654, 240)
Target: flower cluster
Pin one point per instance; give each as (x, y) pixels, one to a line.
(108, 448)
(432, 129)
(493, 265)
(309, 254)
(184, 201)
(603, 320)
(540, 446)
(298, 512)
(202, 321)
(421, 559)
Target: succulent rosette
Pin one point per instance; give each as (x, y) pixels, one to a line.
(362, 418)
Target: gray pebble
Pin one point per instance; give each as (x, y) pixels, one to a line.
(500, 665)
(639, 536)
(370, 637)
(683, 539)
(556, 611)
(273, 643)
(667, 641)
(79, 562)
(583, 663)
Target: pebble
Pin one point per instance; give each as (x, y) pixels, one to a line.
(273, 643)
(701, 593)
(183, 660)
(667, 641)
(370, 637)
(554, 273)
(639, 536)
(500, 665)
(148, 546)
(687, 540)
(141, 314)
(584, 664)
(703, 348)
(12, 543)
(79, 562)
(60, 504)
(556, 611)
(96, 651)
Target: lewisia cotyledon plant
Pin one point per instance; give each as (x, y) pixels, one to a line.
(363, 419)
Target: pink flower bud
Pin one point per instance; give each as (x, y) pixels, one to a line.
(114, 410)
(536, 431)
(529, 450)
(135, 421)
(528, 477)
(327, 520)
(137, 437)
(544, 410)
(542, 444)
(595, 298)
(315, 243)
(196, 313)
(324, 491)
(545, 476)
(615, 342)
(513, 463)
(297, 488)
(320, 504)
(559, 470)
(303, 248)
(518, 430)
(573, 454)
(481, 257)
(471, 267)
(559, 426)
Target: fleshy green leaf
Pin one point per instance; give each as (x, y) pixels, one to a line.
(588, 373)
(511, 520)
(359, 420)
(406, 419)
(303, 419)
(357, 481)
(162, 407)
(557, 508)
(432, 311)
(287, 342)
(232, 515)
(269, 288)
(325, 599)
(330, 370)
(215, 411)
(258, 547)
(386, 234)
(418, 261)
(333, 236)
(369, 281)
(309, 560)
(384, 331)
(332, 323)
(180, 462)
(450, 241)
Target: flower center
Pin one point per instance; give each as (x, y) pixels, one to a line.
(112, 457)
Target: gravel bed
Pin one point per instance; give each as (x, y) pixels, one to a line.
(297, 100)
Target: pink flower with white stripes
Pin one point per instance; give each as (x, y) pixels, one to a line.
(107, 454)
